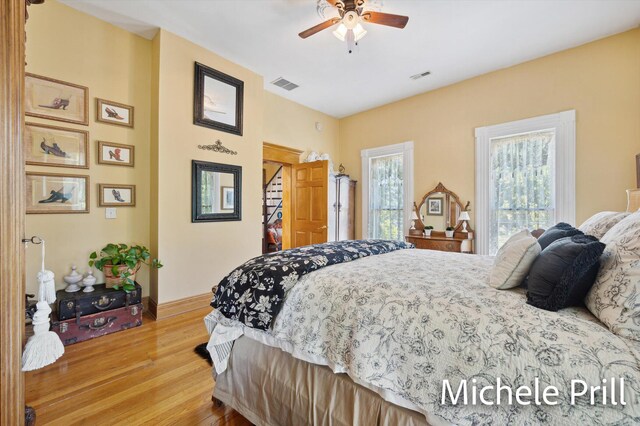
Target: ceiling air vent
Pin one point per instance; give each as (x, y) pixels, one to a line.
(418, 76)
(285, 84)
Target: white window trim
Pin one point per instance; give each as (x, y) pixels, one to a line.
(405, 148)
(564, 124)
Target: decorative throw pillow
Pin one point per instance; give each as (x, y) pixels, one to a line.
(564, 272)
(598, 224)
(615, 296)
(513, 261)
(561, 230)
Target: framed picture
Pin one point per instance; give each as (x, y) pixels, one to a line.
(116, 154)
(216, 192)
(434, 206)
(116, 195)
(227, 198)
(217, 100)
(57, 193)
(56, 99)
(114, 113)
(55, 146)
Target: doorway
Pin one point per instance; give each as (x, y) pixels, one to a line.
(272, 212)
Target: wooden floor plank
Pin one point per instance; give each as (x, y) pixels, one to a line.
(145, 375)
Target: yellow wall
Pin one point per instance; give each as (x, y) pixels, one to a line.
(290, 124)
(114, 64)
(600, 80)
(156, 77)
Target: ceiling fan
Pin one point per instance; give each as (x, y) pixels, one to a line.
(352, 14)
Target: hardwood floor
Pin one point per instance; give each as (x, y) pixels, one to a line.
(146, 375)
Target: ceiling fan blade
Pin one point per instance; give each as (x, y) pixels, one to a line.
(388, 19)
(324, 25)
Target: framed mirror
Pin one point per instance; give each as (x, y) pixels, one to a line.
(216, 192)
(440, 209)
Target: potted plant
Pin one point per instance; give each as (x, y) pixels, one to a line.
(120, 262)
(449, 232)
(427, 230)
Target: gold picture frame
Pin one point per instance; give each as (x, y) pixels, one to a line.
(112, 195)
(58, 100)
(55, 146)
(115, 113)
(49, 193)
(116, 154)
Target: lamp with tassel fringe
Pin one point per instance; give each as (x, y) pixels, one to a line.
(44, 347)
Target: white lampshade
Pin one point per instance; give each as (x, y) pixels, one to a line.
(340, 32)
(464, 216)
(359, 32)
(414, 216)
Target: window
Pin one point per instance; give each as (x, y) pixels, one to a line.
(387, 190)
(525, 177)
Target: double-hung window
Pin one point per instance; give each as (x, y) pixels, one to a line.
(387, 189)
(525, 177)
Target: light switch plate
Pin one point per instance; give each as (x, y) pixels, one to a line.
(110, 213)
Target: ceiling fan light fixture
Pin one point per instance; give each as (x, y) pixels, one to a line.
(359, 32)
(340, 32)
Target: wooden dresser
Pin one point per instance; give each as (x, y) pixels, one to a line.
(438, 241)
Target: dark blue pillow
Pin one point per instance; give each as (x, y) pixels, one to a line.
(561, 230)
(563, 273)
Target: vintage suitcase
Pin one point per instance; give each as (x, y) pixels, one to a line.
(87, 327)
(73, 305)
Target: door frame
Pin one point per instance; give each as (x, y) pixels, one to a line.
(287, 157)
(12, 209)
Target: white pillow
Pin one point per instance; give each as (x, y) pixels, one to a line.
(615, 296)
(513, 261)
(600, 223)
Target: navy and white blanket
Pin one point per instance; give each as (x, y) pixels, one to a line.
(254, 292)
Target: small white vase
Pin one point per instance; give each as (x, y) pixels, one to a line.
(427, 232)
(88, 282)
(449, 234)
(72, 280)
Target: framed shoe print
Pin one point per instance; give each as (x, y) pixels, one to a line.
(116, 154)
(57, 193)
(55, 146)
(116, 195)
(56, 99)
(114, 113)
(217, 100)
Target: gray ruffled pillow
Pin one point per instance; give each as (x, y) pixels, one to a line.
(600, 223)
(615, 296)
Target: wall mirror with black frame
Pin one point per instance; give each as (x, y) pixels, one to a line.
(216, 192)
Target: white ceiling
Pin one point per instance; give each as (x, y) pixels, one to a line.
(455, 40)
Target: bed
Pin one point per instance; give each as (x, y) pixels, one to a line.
(371, 341)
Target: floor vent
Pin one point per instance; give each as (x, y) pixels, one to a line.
(285, 84)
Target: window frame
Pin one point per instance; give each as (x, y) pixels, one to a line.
(404, 148)
(564, 124)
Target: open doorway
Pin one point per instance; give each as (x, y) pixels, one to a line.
(272, 209)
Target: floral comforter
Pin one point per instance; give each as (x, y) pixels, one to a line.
(401, 323)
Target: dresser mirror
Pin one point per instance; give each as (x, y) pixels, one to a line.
(440, 208)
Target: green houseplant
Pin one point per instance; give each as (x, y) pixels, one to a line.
(120, 262)
(427, 230)
(449, 232)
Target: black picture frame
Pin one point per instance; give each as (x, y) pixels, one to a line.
(197, 170)
(203, 72)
